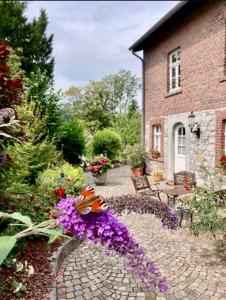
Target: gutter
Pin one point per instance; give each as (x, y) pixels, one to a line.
(143, 107)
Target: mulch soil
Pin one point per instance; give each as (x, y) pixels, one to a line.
(38, 285)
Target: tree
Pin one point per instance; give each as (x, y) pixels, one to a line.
(71, 139)
(40, 92)
(100, 102)
(29, 36)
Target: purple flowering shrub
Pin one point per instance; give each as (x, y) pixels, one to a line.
(143, 204)
(107, 230)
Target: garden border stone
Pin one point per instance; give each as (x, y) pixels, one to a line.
(57, 259)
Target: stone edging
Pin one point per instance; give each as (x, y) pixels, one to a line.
(57, 260)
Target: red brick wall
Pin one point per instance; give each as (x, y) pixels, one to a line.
(220, 119)
(153, 122)
(201, 38)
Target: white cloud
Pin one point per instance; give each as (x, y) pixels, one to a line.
(91, 38)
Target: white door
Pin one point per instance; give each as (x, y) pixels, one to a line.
(180, 148)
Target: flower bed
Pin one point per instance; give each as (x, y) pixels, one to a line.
(38, 285)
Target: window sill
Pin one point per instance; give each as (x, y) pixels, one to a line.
(173, 93)
(157, 159)
(223, 78)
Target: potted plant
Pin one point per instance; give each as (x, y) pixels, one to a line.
(157, 175)
(98, 166)
(155, 153)
(222, 163)
(135, 156)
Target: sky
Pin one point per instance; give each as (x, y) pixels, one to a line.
(91, 38)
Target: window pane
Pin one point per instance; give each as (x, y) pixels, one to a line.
(174, 58)
(173, 83)
(178, 55)
(173, 72)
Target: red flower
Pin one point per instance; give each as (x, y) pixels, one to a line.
(4, 50)
(59, 192)
(90, 168)
(96, 168)
(103, 162)
(14, 84)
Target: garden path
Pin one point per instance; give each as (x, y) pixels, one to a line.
(194, 267)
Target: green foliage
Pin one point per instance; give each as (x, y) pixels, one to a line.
(31, 159)
(71, 138)
(129, 128)
(209, 206)
(41, 92)
(29, 36)
(46, 228)
(100, 102)
(107, 142)
(135, 156)
(51, 179)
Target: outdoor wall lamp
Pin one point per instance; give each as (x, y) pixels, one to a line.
(194, 126)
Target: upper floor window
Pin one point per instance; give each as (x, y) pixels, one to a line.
(174, 70)
(157, 137)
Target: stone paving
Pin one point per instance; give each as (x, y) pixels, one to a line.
(194, 267)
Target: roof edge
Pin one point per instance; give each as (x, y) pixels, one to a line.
(164, 19)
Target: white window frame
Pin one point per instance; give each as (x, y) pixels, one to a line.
(174, 65)
(157, 137)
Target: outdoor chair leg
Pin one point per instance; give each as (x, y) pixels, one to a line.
(159, 197)
(181, 217)
(191, 216)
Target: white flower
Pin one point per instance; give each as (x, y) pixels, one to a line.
(30, 270)
(19, 267)
(19, 287)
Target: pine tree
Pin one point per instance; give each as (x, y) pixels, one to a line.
(29, 36)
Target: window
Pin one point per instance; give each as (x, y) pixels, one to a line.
(181, 142)
(157, 137)
(174, 71)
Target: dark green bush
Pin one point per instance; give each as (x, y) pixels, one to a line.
(107, 142)
(71, 138)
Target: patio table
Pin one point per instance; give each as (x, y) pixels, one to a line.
(174, 193)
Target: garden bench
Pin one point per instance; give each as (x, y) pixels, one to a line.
(143, 187)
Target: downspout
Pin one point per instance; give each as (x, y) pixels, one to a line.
(142, 101)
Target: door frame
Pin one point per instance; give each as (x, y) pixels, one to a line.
(176, 154)
(171, 122)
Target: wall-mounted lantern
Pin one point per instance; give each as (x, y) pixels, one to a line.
(194, 126)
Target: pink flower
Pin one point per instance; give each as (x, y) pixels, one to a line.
(89, 168)
(103, 162)
(96, 168)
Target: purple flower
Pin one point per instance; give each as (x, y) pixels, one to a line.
(107, 230)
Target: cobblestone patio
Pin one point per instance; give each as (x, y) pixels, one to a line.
(194, 267)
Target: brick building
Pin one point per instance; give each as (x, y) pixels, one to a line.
(184, 71)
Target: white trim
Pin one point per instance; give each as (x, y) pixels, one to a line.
(174, 66)
(157, 137)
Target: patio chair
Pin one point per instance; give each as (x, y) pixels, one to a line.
(180, 177)
(143, 187)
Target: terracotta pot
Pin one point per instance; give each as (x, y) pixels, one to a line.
(157, 178)
(155, 155)
(100, 179)
(138, 171)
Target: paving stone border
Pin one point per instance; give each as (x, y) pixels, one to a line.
(57, 260)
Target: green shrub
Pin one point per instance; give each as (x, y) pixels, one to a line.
(107, 142)
(51, 179)
(135, 156)
(28, 160)
(71, 138)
